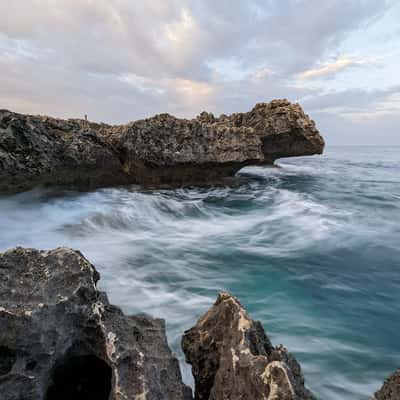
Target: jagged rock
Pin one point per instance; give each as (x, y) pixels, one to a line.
(233, 359)
(390, 389)
(61, 339)
(159, 150)
(40, 150)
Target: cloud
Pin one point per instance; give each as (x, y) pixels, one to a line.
(357, 116)
(381, 129)
(352, 101)
(118, 60)
(329, 69)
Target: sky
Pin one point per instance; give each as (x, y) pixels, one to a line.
(121, 60)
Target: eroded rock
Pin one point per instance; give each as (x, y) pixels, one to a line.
(38, 150)
(390, 389)
(232, 358)
(61, 339)
(162, 150)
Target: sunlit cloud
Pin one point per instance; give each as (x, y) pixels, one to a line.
(332, 68)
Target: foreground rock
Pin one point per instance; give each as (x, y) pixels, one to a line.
(61, 339)
(233, 359)
(390, 389)
(162, 150)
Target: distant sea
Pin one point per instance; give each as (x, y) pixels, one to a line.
(312, 249)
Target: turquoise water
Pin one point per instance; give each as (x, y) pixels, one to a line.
(312, 249)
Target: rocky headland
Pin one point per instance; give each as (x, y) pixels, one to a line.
(162, 150)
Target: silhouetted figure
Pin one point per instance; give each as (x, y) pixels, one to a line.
(85, 117)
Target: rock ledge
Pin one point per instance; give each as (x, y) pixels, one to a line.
(157, 151)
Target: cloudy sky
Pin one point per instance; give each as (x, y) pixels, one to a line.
(119, 60)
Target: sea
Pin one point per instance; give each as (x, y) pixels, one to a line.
(311, 248)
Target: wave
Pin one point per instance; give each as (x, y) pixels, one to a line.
(311, 247)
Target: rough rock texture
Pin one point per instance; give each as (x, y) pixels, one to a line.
(232, 358)
(40, 150)
(61, 339)
(390, 389)
(156, 151)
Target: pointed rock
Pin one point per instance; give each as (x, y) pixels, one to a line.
(390, 389)
(232, 358)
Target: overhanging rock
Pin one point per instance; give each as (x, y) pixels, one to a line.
(162, 150)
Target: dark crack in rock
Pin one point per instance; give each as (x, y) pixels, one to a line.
(232, 358)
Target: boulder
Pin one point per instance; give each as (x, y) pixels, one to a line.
(162, 150)
(390, 389)
(61, 339)
(233, 359)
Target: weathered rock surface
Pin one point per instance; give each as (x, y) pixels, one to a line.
(157, 151)
(61, 339)
(40, 150)
(232, 358)
(390, 389)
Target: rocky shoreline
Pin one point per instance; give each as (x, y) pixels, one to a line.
(157, 151)
(61, 339)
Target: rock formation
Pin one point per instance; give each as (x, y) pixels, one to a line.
(155, 151)
(40, 150)
(233, 359)
(61, 339)
(390, 389)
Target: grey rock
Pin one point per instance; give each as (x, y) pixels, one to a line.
(41, 150)
(233, 359)
(390, 389)
(162, 150)
(61, 339)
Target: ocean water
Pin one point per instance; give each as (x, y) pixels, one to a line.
(311, 248)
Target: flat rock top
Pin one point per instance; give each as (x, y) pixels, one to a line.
(30, 278)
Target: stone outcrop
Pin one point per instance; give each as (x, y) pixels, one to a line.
(61, 339)
(390, 389)
(162, 150)
(232, 358)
